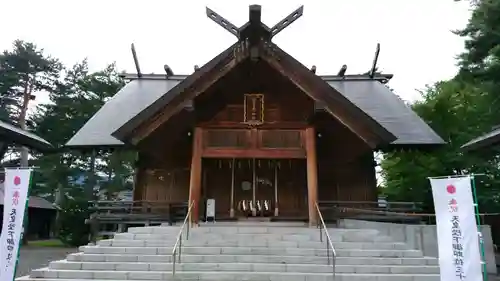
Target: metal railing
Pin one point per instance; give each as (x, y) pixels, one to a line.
(329, 244)
(176, 255)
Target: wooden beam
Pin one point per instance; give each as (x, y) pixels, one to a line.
(185, 99)
(338, 112)
(336, 104)
(284, 125)
(195, 175)
(312, 175)
(254, 153)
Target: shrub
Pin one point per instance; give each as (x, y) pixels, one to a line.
(72, 228)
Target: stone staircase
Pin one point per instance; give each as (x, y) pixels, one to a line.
(232, 251)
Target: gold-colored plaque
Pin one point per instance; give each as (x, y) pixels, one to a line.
(253, 109)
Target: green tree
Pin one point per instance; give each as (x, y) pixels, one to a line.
(24, 71)
(481, 59)
(77, 98)
(64, 110)
(98, 88)
(458, 113)
(119, 170)
(458, 110)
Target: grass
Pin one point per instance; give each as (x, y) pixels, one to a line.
(52, 243)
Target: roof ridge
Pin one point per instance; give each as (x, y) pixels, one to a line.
(381, 77)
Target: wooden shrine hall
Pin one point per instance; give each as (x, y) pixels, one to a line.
(255, 130)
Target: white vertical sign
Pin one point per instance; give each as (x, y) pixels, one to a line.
(16, 186)
(210, 209)
(458, 243)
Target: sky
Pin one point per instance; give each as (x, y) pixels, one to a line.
(417, 44)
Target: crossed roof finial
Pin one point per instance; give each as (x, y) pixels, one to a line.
(254, 27)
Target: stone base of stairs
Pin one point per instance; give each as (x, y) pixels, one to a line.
(236, 251)
(239, 276)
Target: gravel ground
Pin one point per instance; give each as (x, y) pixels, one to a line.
(34, 258)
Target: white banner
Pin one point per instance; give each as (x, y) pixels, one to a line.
(458, 243)
(16, 186)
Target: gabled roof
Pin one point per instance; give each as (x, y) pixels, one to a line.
(387, 109)
(335, 103)
(132, 99)
(172, 96)
(373, 97)
(10, 134)
(485, 141)
(365, 106)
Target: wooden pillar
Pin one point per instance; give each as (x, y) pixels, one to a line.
(137, 188)
(254, 186)
(276, 212)
(231, 211)
(195, 174)
(312, 175)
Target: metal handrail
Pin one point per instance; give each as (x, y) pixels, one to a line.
(178, 241)
(329, 244)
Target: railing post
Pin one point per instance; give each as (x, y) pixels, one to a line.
(174, 257)
(333, 268)
(180, 249)
(187, 230)
(178, 243)
(329, 244)
(328, 252)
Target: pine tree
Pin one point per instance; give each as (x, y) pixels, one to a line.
(75, 100)
(459, 110)
(24, 71)
(480, 62)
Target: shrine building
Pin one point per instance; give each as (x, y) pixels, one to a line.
(256, 130)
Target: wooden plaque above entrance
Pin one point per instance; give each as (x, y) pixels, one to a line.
(253, 109)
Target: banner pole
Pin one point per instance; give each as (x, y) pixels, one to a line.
(25, 218)
(454, 176)
(478, 219)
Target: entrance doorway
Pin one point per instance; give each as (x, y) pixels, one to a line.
(249, 187)
(255, 188)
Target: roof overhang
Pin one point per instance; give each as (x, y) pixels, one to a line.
(356, 100)
(370, 95)
(334, 102)
(180, 95)
(12, 135)
(484, 142)
(340, 107)
(133, 98)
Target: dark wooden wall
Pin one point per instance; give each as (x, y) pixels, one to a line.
(346, 169)
(345, 162)
(291, 183)
(285, 106)
(163, 166)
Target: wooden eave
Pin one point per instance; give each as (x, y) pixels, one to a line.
(13, 135)
(177, 97)
(336, 104)
(358, 121)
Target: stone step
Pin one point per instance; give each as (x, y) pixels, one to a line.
(254, 243)
(258, 223)
(60, 275)
(249, 267)
(336, 237)
(249, 251)
(80, 257)
(246, 230)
